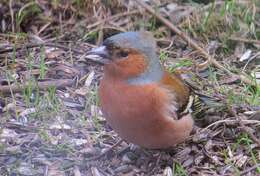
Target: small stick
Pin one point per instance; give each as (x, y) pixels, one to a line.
(60, 83)
(12, 14)
(33, 45)
(252, 136)
(244, 40)
(250, 169)
(243, 127)
(238, 119)
(192, 42)
(113, 17)
(233, 121)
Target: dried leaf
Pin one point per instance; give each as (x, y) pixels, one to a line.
(60, 126)
(78, 142)
(76, 171)
(96, 172)
(27, 169)
(240, 160)
(246, 55)
(53, 53)
(7, 133)
(55, 171)
(27, 112)
(167, 171)
(89, 79)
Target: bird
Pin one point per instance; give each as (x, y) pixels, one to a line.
(139, 99)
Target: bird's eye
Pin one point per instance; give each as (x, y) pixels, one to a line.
(123, 53)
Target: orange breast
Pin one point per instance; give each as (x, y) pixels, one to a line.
(139, 113)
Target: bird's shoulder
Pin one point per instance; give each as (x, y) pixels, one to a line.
(176, 86)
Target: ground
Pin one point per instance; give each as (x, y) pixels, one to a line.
(51, 123)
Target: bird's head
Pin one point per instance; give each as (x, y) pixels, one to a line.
(129, 55)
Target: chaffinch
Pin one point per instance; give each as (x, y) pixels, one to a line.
(139, 98)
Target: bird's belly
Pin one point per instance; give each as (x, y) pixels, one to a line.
(137, 132)
(135, 115)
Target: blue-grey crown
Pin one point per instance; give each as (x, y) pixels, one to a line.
(140, 41)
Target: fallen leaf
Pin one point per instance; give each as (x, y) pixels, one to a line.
(246, 55)
(27, 169)
(240, 160)
(89, 79)
(78, 142)
(76, 171)
(60, 126)
(7, 133)
(27, 112)
(167, 171)
(54, 170)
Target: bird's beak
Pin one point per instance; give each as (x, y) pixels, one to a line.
(100, 54)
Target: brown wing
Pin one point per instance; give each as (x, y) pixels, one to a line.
(175, 83)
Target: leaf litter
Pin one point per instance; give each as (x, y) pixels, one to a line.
(59, 129)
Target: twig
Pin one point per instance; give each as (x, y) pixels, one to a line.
(250, 59)
(245, 129)
(112, 18)
(210, 60)
(105, 152)
(12, 14)
(43, 28)
(238, 120)
(248, 170)
(60, 83)
(100, 31)
(158, 159)
(231, 121)
(33, 45)
(244, 40)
